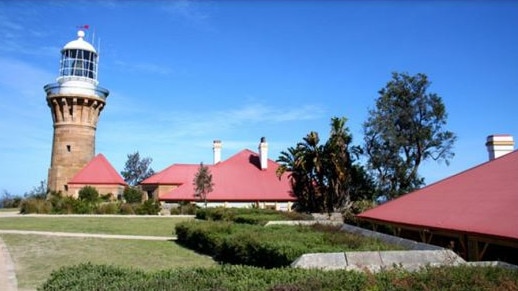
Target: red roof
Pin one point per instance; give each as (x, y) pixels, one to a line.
(481, 200)
(173, 175)
(238, 178)
(98, 171)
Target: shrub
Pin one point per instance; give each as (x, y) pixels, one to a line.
(357, 207)
(108, 208)
(84, 207)
(248, 215)
(149, 207)
(127, 208)
(107, 197)
(228, 277)
(35, 205)
(88, 194)
(63, 205)
(132, 195)
(270, 247)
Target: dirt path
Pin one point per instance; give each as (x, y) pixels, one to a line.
(94, 235)
(8, 280)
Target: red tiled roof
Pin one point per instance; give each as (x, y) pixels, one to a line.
(173, 175)
(238, 178)
(98, 171)
(481, 200)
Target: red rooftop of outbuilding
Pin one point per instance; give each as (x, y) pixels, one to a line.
(482, 200)
(98, 172)
(175, 174)
(238, 178)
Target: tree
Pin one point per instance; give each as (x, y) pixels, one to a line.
(136, 169)
(132, 195)
(88, 194)
(405, 129)
(39, 192)
(202, 183)
(322, 176)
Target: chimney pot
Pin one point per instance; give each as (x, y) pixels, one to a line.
(216, 148)
(499, 145)
(263, 153)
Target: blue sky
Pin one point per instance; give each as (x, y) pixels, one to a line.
(183, 73)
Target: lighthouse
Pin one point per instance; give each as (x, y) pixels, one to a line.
(76, 101)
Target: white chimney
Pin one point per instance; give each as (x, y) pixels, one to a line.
(263, 153)
(216, 148)
(499, 145)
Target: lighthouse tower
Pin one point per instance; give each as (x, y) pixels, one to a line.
(75, 101)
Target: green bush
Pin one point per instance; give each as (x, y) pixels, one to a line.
(357, 207)
(184, 208)
(62, 205)
(107, 197)
(88, 194)
(132, 195)
(127, 209)
(35, 205)
(248, 215)
(228, 277)
(108, 208)
(149, 207)
(272, 246)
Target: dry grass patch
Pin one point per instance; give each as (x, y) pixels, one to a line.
(36, 256)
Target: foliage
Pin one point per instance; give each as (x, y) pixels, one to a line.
(35, 205)
(136, 169)
(108, 208)
(89, 194)
(87, 204)
(356, 208)
(323, 176)
(272, 246)
(248, 215)
(149, 207)
(9, 201)
(184, 208)
(39, 191)
(202, 183)
(405, 129)
(132, 195)
(103, 277)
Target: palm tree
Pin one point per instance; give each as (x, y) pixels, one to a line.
(321, 175)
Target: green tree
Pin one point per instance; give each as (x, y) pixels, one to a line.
(202, 183)
(132, 195)
(405, 129)
(89, 194)
(136, 169)
(323, 177)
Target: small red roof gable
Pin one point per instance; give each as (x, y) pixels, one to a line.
(98, 171)
(173, 175)
(239, 178)
(481, 200)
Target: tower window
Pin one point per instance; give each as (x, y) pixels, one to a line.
(69, 148)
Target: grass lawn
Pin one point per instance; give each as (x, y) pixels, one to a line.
(36, 256)
(9, 210)
(130, 225)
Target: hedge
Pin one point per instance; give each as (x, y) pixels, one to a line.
(270, 247)
(248, 215)
(228, 278)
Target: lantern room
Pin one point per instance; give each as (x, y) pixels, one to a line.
(78, 61)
